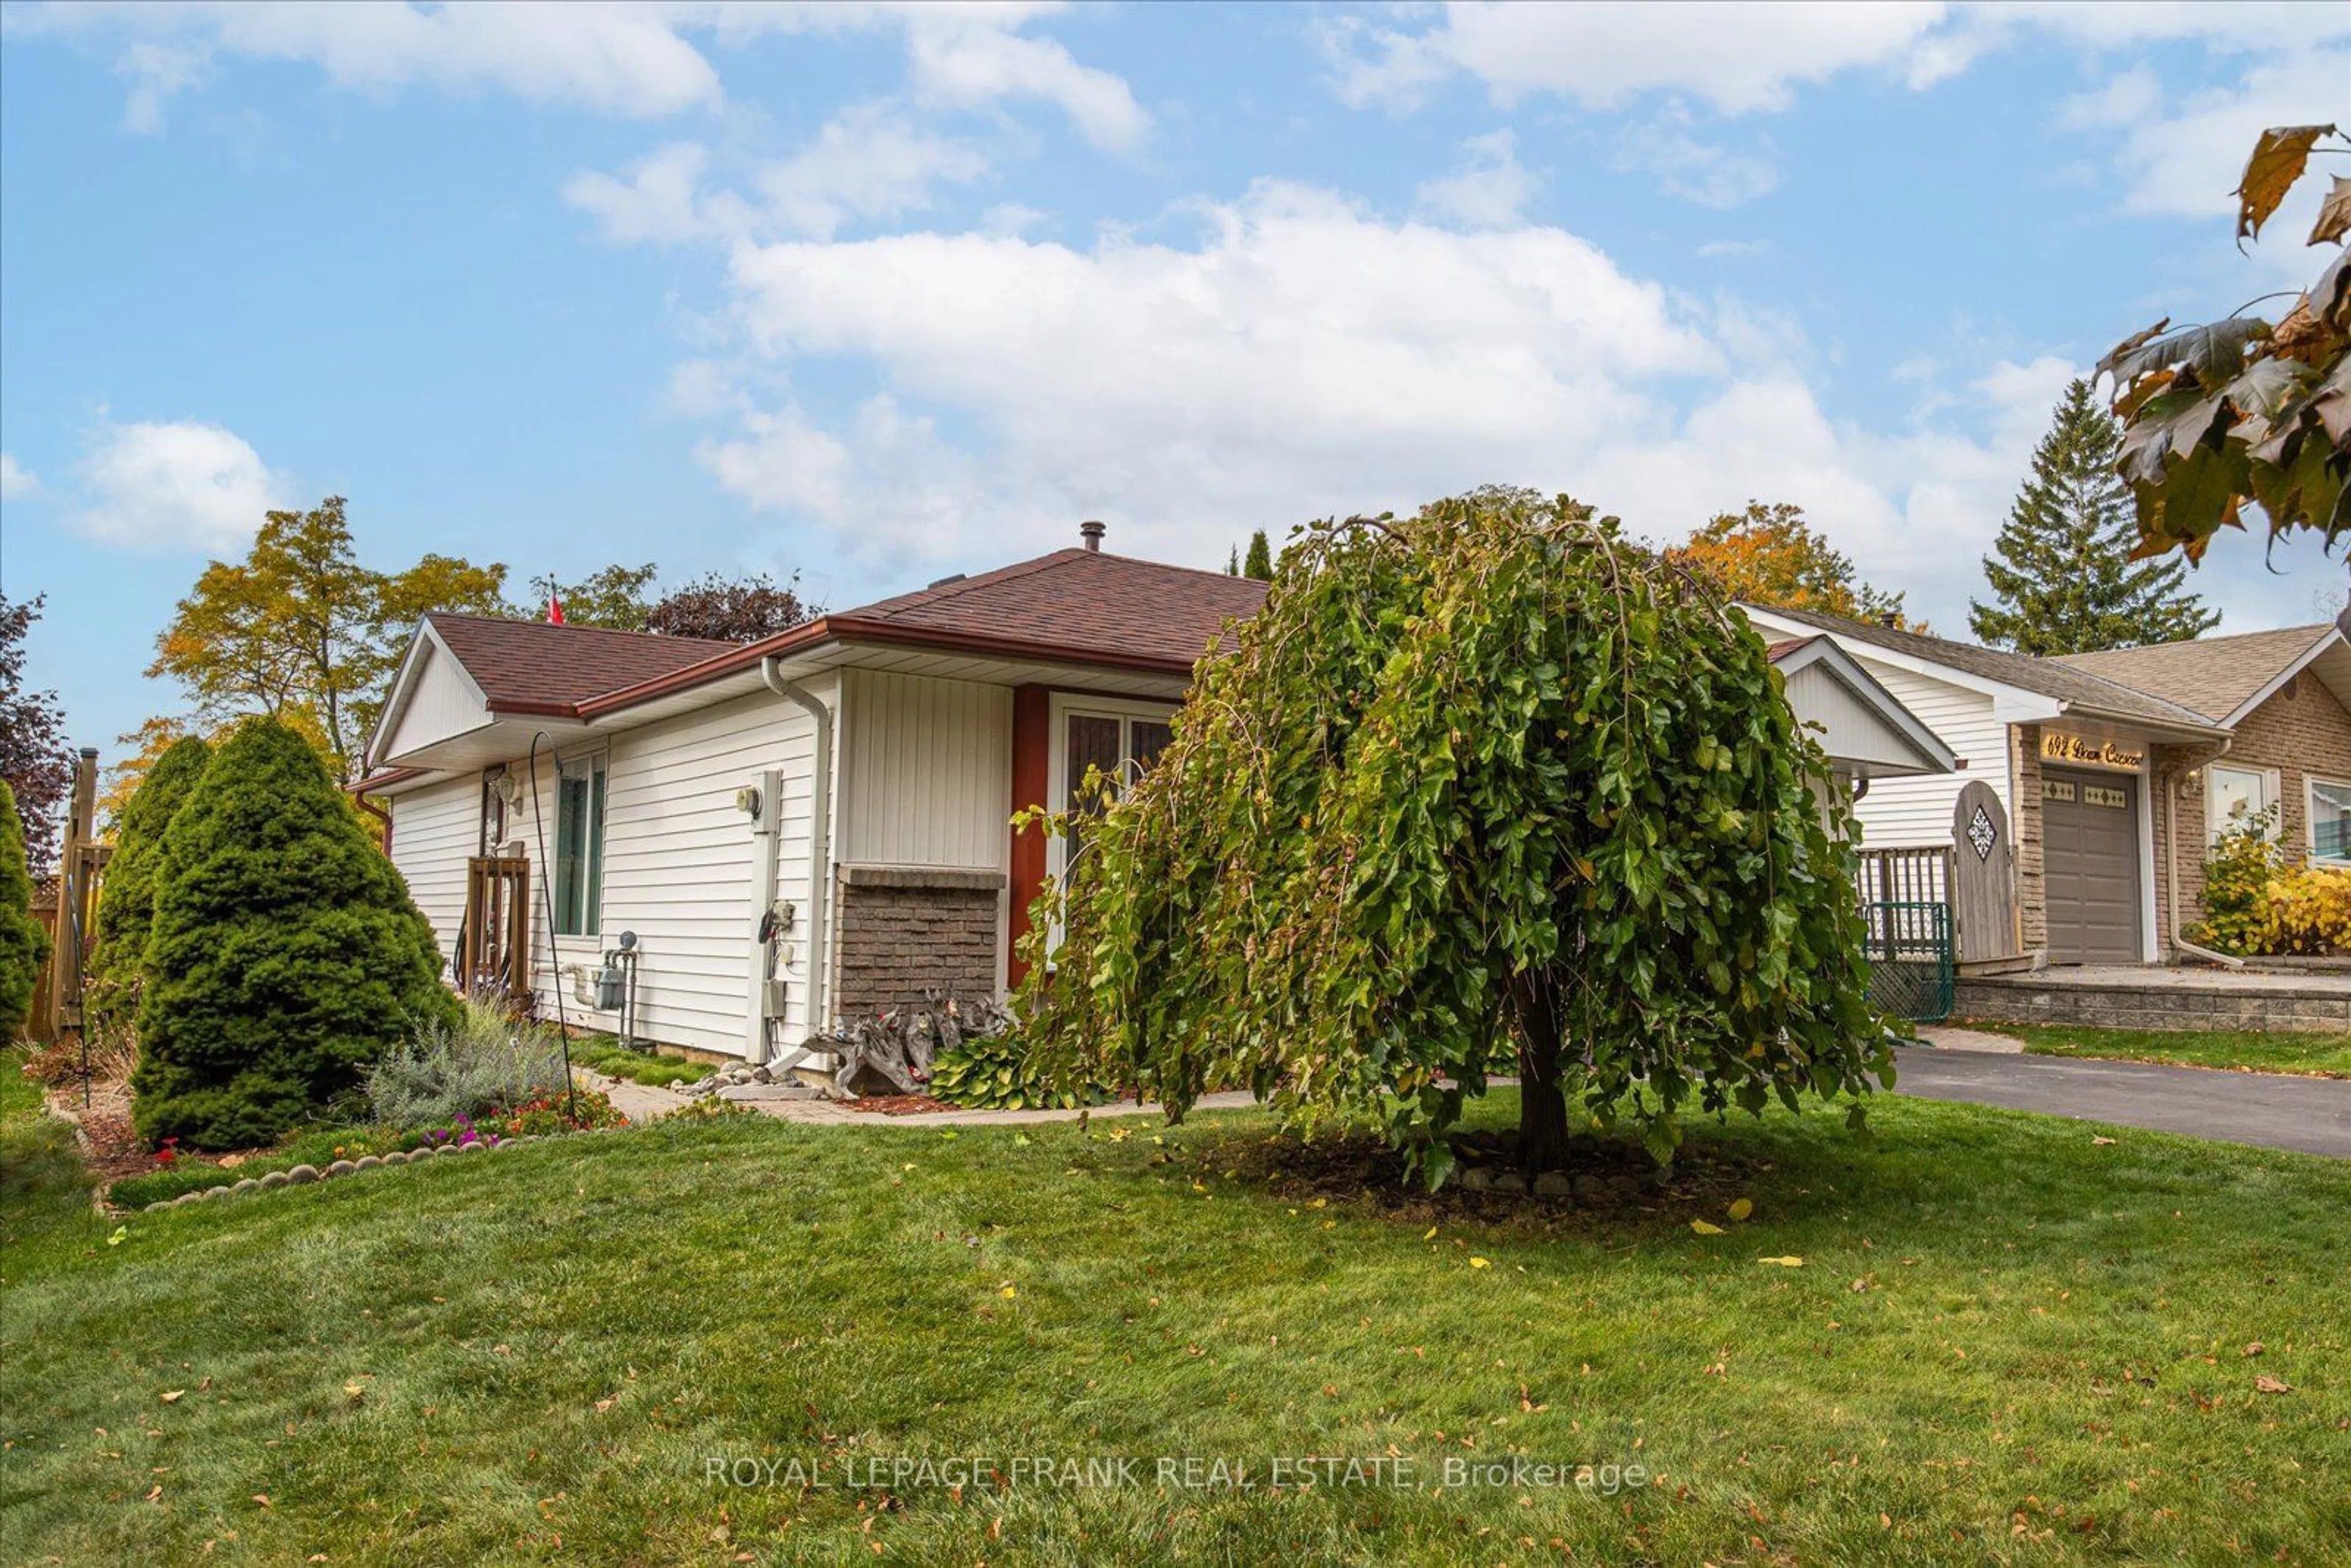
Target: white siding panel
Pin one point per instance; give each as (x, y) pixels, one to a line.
(441, 705)
(926, 771)
(679, 867)
(1849, 729)
(1900, 813)
(435, 831)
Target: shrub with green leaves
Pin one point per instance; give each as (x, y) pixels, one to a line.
(24, 945)
(126, 900)
(1489, 785)
(481, 1061)
(285, 956)
(994, 1073)
(2237, 874)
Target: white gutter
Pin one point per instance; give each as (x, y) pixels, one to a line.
(819, 839)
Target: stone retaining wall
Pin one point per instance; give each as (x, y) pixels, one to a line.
(2019, 999)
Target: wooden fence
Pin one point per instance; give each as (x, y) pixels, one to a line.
(1921, 875)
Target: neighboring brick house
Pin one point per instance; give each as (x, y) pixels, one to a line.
(2284, 698)
(816, 827)
(2109, 767)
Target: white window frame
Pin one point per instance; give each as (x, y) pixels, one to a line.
(594, 772)
(1126, 710)
(2310, 783)
(2272, 795)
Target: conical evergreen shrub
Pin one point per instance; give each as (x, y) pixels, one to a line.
(24, 945)
(126, 902)
(284, 954)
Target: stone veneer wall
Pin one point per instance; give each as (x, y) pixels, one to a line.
(2284, 1007)
(2024, 828)
(901, 931)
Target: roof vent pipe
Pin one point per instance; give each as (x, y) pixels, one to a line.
(1091, 532)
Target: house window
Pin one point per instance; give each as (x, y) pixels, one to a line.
(2232, 794)
(1122, 745)
(2330, 820)
(579, 850)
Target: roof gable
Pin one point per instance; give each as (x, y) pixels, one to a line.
(2076, 688)
(532, 667)
(2222, 678)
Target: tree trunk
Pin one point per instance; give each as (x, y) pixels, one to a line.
(1543, 1108)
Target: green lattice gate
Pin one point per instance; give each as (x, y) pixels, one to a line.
(1910, 966)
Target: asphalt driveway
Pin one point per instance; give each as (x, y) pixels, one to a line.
(2271, 1110)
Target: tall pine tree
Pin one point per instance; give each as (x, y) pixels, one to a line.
(2061, 577)
(1259, 564)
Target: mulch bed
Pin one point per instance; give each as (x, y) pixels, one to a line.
(899, 1104)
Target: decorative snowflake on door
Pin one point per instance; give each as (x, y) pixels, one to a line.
(1981, 833)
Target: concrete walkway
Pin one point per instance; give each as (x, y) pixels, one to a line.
(2271, 1111)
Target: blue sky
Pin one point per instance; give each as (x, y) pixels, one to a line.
(877, 292)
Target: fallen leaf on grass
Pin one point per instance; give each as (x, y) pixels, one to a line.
(1741, 1208)
(2254, 1348)
(1479, 1264)
(2268, 1384)
(1431, 1235)
(1789, 1262)
(122, 1233)
(173, 1396)
(2099, 1140)
(262, 1498)
(1705, 1229)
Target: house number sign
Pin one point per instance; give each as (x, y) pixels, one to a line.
(2083, 751)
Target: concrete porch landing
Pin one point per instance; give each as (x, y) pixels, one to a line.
(2129, 995)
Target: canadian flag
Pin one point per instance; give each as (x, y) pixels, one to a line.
(554, 610)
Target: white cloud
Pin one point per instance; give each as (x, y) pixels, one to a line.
(632, 57)
(16, 482)
(1304, 357)
(2184, 157)
(963, 63)
(1737, 57)
(1705, 172)
(1487, 190)
(658, 202)
(1751, 57)
(615, 58)
(183, 485)
(869, 162)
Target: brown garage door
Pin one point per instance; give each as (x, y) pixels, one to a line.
(2089, 828)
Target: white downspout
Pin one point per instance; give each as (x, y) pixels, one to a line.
(820, 836)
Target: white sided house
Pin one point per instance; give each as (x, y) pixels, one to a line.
(816, 827)
(807, 829)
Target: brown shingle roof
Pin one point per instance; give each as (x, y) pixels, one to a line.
(2213, 675)
(1086, 603)
(2079, 688)
(529, 666)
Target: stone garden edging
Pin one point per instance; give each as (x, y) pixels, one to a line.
(305, 1174)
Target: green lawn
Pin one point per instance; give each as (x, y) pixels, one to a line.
(2006, 1343)
(2313, 1055)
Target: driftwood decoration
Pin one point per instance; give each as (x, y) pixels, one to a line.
(892, 1053)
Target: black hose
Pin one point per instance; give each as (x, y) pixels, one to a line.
(546, 895)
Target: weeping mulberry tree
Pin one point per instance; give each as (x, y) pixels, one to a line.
(1488, 790)
(284, 954)
(126, 903)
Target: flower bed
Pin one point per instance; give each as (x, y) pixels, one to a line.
(323, 1150)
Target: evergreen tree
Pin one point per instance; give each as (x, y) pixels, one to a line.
(2062, 575)
(285, 955)
(1259, 564)
(126, 904)
(1233, 561)
(24, 945)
